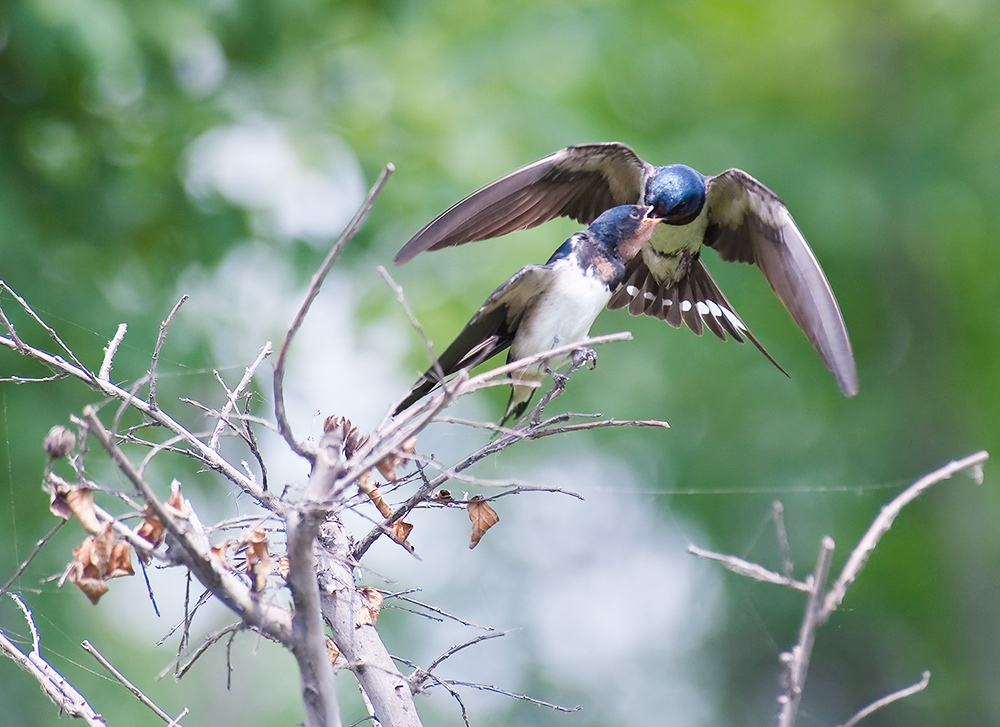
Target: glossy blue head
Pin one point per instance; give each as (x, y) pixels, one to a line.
(677, 193)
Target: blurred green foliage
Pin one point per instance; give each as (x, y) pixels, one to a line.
(878, 124)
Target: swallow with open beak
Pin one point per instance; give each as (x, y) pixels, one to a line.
(545, 306)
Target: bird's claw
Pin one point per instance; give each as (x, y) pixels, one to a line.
(559, 379)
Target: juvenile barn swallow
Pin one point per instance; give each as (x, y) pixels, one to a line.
(544, 306)
(731, 212)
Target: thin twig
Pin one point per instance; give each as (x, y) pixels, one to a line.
(55, 686)
(778, 509)
(232, 396)
(251, 440)
(883, 522)
(136, 692)
(513, 695)
(401, 299)
(279, 365)
(21, 347)
(38, 546)
(194, 549)
(160, 338)
(10, 326)
(210, 457)
(889, 699)
(403, 597)
(181, 669)
(110, 350)
(419, 676)
(749, 570)
(32, 379)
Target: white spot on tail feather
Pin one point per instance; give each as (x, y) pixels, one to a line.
(731, 317)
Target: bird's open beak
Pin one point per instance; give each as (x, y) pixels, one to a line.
(648, 221)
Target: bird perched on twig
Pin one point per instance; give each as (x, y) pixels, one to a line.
(544, 306)
(731, 212)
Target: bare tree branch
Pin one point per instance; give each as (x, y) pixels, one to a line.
(750, 570)
(366, 655)
(232, 396)
(110, 350)
(31, 556)
(319, 692)
(420, 676)
(90, 649)
(192, 549)
(160, 338)
(889, 699)
(60, 691)
(821, 605)
(128, 399)
(798, 658)
(279, 366)
(883, 522)
(20, 347)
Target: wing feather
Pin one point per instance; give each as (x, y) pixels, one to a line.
(579, 182)
(490, 331)
(748, 223)
(695, 300)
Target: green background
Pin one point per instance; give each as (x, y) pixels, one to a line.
(877, 124)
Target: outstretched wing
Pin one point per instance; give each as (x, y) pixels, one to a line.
(578, 181)
(695, 300)
(490, 331)
(748, 223)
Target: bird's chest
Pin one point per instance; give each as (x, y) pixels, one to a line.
(561, 315)
(670, 250)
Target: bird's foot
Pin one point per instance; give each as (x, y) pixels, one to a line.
(558, 378)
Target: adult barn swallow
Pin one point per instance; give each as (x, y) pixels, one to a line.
(544, 306)
(731, 212)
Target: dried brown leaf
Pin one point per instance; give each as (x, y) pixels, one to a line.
(400, 531)
(81, 502)
(483, 518)
(375, 495)
(442, 496)
(86, 576)
(150, 530)
(258, 560)
(219, 552)
(120, 563)
(90, 564)
(98, 558)
(371, 604)
(388, 464)
(65, 501)
(104, 542)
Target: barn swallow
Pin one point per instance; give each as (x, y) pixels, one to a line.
(731, 212)
(544, 306)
